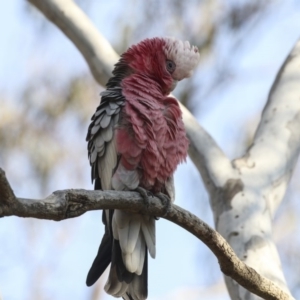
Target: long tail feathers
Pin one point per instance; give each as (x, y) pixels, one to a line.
(127, 250)
(138, 289)
(101, 261)
(148, 228)
(122, 283)
(133, 235)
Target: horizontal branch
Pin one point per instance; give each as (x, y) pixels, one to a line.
(66, 204)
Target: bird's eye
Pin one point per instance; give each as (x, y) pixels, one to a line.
(171, 66)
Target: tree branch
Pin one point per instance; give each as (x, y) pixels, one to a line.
(276, 145)
(7, 196)
(67, 204)
(245, 206)
(210, 160)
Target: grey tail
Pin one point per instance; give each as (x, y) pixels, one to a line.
(101, 261)
(138, 287)
(134, 287)
(103, 257)
(110, 252)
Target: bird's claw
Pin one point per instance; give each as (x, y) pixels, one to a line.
(165, 201)
(145, 195)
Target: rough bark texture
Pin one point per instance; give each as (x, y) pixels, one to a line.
(244, 193)
(67, 204)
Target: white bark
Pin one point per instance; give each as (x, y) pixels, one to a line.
(212, 163)
(245, 218)
(244, 193)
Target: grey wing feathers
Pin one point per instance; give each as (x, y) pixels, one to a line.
(101, 142)
(128, 272)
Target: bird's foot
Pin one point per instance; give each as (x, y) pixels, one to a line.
(145, 195)
(165, 201)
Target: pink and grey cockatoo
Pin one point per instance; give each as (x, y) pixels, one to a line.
(136, 140)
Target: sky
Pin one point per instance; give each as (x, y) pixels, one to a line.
(177, 270)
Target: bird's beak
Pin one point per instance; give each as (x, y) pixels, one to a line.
(174, 85)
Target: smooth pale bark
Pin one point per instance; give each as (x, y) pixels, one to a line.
(244, 218)
(244, 193)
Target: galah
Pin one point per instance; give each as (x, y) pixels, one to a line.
(136, 139)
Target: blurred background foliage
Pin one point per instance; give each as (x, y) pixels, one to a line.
(44, 116)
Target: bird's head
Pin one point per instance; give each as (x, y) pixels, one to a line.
(165, 60)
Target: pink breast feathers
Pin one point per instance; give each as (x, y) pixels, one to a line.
(151, 138)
